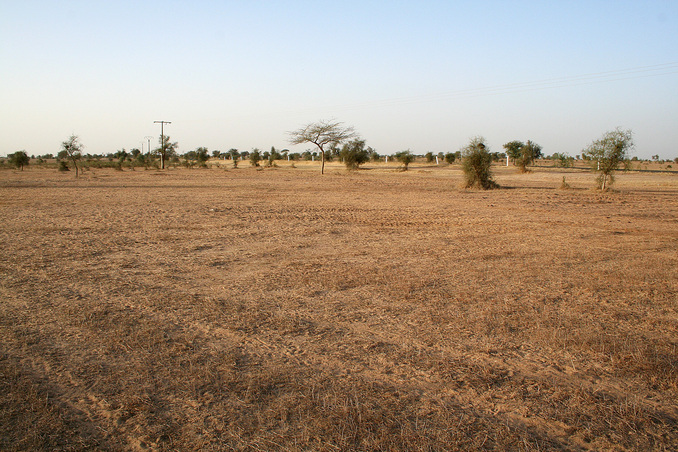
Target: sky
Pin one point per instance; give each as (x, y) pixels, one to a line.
(419, 75)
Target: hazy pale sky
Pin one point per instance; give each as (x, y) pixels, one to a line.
(423, 75)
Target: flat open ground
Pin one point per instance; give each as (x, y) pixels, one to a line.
(376, 310)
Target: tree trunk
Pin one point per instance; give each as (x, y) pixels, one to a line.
(75, 163)
(322, 165)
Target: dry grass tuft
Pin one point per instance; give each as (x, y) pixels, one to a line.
(564, 185)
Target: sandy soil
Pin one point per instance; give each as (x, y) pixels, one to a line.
(279, 309)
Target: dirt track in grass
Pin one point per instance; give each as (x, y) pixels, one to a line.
(375, 310)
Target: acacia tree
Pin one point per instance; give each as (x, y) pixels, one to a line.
(528, 154)
(72, 149)
(322, 133)
(523, 154)
(607, 153)
(202, 155)
(19, 159)
(476, 163)
(513, 149)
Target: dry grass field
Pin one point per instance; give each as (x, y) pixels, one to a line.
(283, 310)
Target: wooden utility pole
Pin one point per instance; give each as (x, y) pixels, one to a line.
(162, 141)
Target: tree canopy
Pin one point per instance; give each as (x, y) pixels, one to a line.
(528, 154)
(19, 159)
(322, 133)
(513, 149)
(202, 155)
(72, 149)
(607, 153)
(523, 154)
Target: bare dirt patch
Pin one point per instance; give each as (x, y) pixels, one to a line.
(376, 310)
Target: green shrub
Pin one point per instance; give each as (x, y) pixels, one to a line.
(354, 154)
(608, 153)
(476, 164)
(528, 154)
(404, 157)
(19, 159)
(255, 157)
(562, 160)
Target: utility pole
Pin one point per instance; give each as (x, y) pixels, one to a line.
(162, 141)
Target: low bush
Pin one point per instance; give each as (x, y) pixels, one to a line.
(476, 164)
(404, 157)
(354, 154)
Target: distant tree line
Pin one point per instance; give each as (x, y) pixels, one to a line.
(337, 142)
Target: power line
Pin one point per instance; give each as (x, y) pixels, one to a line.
(559, 82)
(534, 85)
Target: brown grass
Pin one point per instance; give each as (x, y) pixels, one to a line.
(372, 310)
